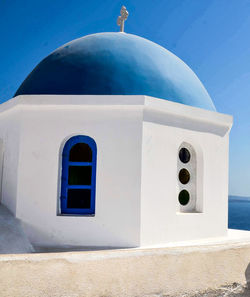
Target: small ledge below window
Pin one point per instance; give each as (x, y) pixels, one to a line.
(74, 215)
(189, 212)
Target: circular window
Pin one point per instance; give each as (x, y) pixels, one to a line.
(184, 155)
(184, 176)
(184, 197)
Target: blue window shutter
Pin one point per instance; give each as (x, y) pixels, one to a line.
(87, 202)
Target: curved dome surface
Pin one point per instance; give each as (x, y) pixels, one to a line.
(116, 64)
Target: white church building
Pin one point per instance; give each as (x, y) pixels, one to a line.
(113, 141)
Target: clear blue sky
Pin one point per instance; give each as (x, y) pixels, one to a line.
(211, 36)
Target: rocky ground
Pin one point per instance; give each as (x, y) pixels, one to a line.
(235, 290)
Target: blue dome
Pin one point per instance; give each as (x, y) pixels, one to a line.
(116, 64)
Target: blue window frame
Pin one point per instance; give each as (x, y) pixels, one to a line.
(78, 180)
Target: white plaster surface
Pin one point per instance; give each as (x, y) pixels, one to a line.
(137, 141)
(161, 219)
(163, 271)
(13, 239)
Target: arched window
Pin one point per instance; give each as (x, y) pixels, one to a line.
(78, 179)
(187, 178)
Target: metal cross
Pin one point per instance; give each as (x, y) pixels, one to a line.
(122, 18)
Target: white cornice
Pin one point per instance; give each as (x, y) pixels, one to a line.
(154, 109)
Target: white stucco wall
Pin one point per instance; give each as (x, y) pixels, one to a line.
(163, 133)
(137, 141)
(9, 155)
(117, 132)
(160, 186)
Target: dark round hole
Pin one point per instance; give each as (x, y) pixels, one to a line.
(184, 155)
(184, 176)
(184, 197)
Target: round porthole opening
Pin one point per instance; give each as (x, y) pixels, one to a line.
(184, 155)
(184, 176)
(184, 197)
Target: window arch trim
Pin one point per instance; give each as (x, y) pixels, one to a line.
(65, 186)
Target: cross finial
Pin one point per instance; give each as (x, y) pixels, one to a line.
(122, 18)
